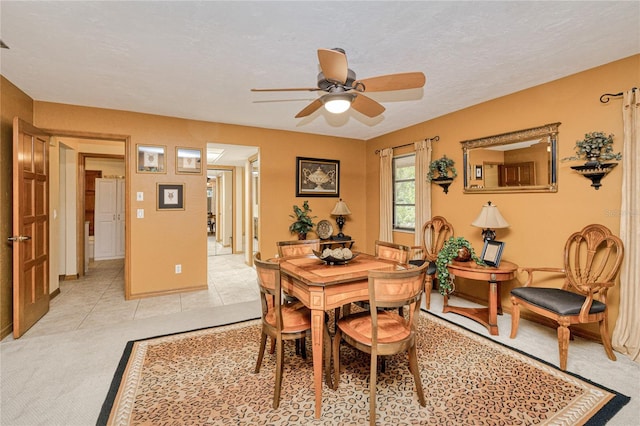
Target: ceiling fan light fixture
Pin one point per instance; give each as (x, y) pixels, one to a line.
(337, 104)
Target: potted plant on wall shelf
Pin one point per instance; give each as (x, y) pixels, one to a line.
(303, 223)
(441, 172)
(455, 248)
(596, 147)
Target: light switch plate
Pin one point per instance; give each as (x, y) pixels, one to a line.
(140, 196)
(140, 213)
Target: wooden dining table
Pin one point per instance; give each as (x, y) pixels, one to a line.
(322, 287)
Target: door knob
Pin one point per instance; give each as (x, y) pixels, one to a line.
(19, 238)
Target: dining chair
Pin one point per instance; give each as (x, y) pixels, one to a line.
(592, 260)
(434, 234)
(297, 247)
(281, 320)
(392, 251)
(381, 331)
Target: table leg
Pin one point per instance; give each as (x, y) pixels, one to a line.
(317, 334)
(493, 308)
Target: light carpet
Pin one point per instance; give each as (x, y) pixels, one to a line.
(206, 377)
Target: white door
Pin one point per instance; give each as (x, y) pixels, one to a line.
(105, 219)
(120, 218)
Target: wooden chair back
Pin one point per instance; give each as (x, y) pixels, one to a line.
(297, 247)
(592, 260)
(395, 289)
(391, 251)
(268, 277)
(434, 234)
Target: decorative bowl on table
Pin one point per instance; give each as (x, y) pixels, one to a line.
(337, 256)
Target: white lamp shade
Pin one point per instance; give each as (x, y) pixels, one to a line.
(490, 218)
(337, 106)
(341, 209)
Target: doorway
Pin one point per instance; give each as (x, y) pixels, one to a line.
(221, 210)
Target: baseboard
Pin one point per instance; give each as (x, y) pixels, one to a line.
(54, 293)
(70, 277)
(164, 293)
(6, 331)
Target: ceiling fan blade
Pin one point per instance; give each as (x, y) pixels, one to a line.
(310, 109)
(289, 89)
(402, 81)
(367, 106)
(333, 65)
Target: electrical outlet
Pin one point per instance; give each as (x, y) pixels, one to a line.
(178, 269)
(140, 196)
(140, 213)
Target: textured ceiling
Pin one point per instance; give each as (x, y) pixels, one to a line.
(199, 60)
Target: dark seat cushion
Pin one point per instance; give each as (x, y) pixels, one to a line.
(556, 300)
(431, 269)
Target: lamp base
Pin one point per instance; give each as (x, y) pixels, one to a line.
(341, 237)
(488, 234)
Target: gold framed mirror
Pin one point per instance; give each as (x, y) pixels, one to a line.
(520, 161)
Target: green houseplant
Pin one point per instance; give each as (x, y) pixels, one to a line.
(457, 248)
(595, 147)
(439, 171)
(303, 222)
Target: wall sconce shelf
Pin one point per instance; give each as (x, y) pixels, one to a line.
(595, 172)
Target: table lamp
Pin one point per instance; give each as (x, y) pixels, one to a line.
(489, 219)
(341, 210)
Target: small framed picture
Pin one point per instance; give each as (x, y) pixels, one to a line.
(492, 252)
(188, 161)
(170, 196)
(151, 159)
(478, 172)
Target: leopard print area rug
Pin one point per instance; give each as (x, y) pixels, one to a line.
(206, 377)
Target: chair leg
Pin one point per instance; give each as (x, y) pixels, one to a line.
(303, 347)
(272, 348)
(372, 389)
(515, 318)
(279, 356)
(606, 339)
(563, 345)
(336, 358)
(263, 344)
(428, 286)
(413, 367)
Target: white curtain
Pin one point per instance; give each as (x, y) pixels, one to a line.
(386, 195)
(423, 188)
(626, 334)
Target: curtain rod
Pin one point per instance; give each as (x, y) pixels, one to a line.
(607, 96)
(435, 139)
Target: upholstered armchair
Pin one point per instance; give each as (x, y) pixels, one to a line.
(592, 259)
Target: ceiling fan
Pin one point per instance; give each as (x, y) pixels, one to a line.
(344, 91)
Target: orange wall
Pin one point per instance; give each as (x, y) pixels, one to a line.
(165, 238)
(539, 222)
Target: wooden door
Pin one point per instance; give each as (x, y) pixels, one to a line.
(90, 177)
(120, 216)
(30, 225)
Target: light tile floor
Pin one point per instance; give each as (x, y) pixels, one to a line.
(97, 299)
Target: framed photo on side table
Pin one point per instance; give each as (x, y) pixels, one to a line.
(316, 177)
(188, 160)
(151, 159)
(492, 252)
(170, 196)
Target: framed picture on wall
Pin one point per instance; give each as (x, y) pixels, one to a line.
(478, 172)
(188, 160)
(151, 159)
(492, 252)
(317, 177)
(170, 196)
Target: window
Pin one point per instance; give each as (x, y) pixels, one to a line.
(404, 192)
